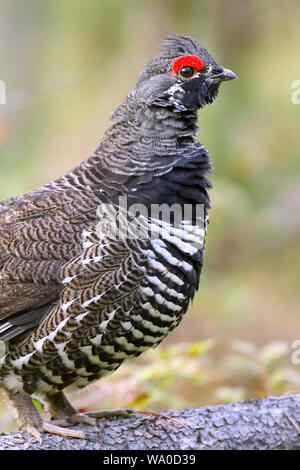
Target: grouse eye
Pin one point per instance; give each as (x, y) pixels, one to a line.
(186, 71)
(187, 65)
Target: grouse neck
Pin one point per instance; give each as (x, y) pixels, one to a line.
(147, 140)
(140, 145)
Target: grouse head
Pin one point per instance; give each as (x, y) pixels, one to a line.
(183, 76)
(154, 128)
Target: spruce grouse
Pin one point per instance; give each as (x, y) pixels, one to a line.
(77, 298)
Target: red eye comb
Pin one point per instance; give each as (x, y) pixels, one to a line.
(187, 60)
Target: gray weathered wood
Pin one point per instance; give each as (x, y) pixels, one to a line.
(270, 423)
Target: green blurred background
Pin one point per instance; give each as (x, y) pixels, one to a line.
(66, 65)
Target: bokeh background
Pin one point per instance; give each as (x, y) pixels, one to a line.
(66, 65)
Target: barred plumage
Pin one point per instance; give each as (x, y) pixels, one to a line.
(75, 300)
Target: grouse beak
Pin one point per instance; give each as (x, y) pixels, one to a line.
(225, 74)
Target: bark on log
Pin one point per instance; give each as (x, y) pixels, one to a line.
(270, 423)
